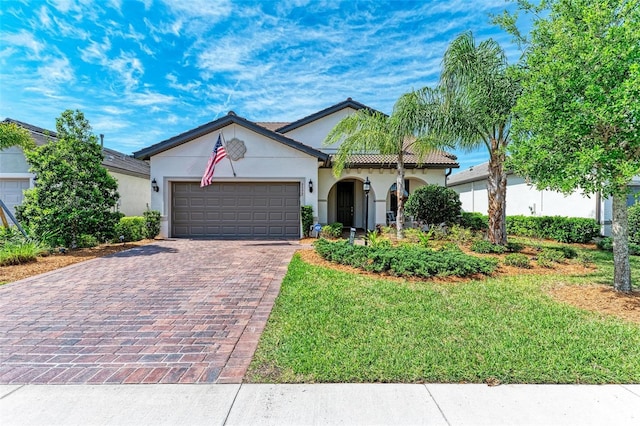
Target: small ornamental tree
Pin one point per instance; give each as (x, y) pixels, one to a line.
(74, 194)
(433, 204)
(577, 120)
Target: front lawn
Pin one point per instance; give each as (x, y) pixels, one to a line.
(333, 326)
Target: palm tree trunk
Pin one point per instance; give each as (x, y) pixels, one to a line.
(620, 233)
(400, 197)
(497, 192)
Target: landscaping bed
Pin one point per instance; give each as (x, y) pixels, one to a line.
(58, 260)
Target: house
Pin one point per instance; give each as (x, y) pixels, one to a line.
(271, 170)
(132, 174)
(524, 199)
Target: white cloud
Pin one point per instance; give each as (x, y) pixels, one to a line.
(96, 52)
(56, 70)
(149, 99)
(129, 69)
(26, 40)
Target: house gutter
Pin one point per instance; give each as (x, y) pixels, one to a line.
(446, 176)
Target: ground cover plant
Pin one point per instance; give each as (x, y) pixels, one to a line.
(333, 326)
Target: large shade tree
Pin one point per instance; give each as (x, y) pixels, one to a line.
(578, 119)
(372, 132)
(13, 135)
(472, 108)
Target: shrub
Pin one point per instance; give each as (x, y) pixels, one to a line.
(514, 247)
(434, 204)
(16, 249)
(333, 230)
(484, 246)
(552, 255)
(518, 260)
(306, 213)
(460, 235)
(634, 225)
(606, 244)
(132, 228)
(86, 240)
(151, 223)
(559, 228)
(376, 240)
(474, 221)
(405, 260)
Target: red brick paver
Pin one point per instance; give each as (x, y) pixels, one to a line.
(184, 311)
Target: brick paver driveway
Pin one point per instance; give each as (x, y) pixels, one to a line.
(179, 311)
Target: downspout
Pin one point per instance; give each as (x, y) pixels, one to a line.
(599, 212)
(101, 140)
(447, 175)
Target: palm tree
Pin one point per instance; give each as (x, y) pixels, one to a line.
(372, 132)
(478, 93)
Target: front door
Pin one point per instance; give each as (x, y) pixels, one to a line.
(345, 203)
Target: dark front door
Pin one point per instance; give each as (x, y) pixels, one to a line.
(345, 203)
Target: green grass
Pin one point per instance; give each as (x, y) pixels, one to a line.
(331, 326)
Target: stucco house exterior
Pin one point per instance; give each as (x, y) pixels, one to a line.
(271, 170)
(524, 199)
(132, 174)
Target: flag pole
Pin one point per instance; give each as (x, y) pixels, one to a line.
(224, 142)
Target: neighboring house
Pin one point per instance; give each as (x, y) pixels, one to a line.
(277, 167)
(132, 174)
(525, 199)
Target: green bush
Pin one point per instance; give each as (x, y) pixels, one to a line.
(484, 246)
(552, 255)
(606, 244)
(433, 204)
(405, 260)
(86, 240)
(559, 228)
(16, 249)
(132, 228)
(474, 221)
(514, 247)
(634, 225)
(151, 223)
(518, 260)
(460, 235)
(306, 213)
(333, 230)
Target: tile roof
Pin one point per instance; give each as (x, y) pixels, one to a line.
(114, 161)
(435, 159)
(272, 125)
(476, 173)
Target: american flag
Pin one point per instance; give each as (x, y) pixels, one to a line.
(217, 155)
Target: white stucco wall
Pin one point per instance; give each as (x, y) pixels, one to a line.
(314, 133)
(12, 160)
(381, 180)
(265, 160)
(135, 194)
(524, 199)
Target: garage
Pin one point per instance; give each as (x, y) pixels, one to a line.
(11, 192)
(252, 210)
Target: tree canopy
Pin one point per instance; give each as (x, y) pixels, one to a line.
(578, 117)
(13, 135)
(74, 195)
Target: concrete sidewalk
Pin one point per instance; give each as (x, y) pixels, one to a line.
(319, 404)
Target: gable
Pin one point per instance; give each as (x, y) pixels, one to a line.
(213, 128)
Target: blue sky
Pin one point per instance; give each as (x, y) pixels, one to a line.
(146, 70)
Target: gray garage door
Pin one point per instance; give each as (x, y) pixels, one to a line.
(236, 210)
(11, 192)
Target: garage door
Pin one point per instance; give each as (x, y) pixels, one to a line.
(258, 210)
(11, 192)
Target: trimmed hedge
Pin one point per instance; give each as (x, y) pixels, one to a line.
(559, 228)
(307, 219)
(474, 221)
(132, 228)
(405, 260)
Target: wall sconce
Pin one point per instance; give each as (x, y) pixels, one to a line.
(154, 185)
(310, 185)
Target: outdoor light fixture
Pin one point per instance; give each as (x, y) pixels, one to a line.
(310, 185)
(366, 186)
(154, 185)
